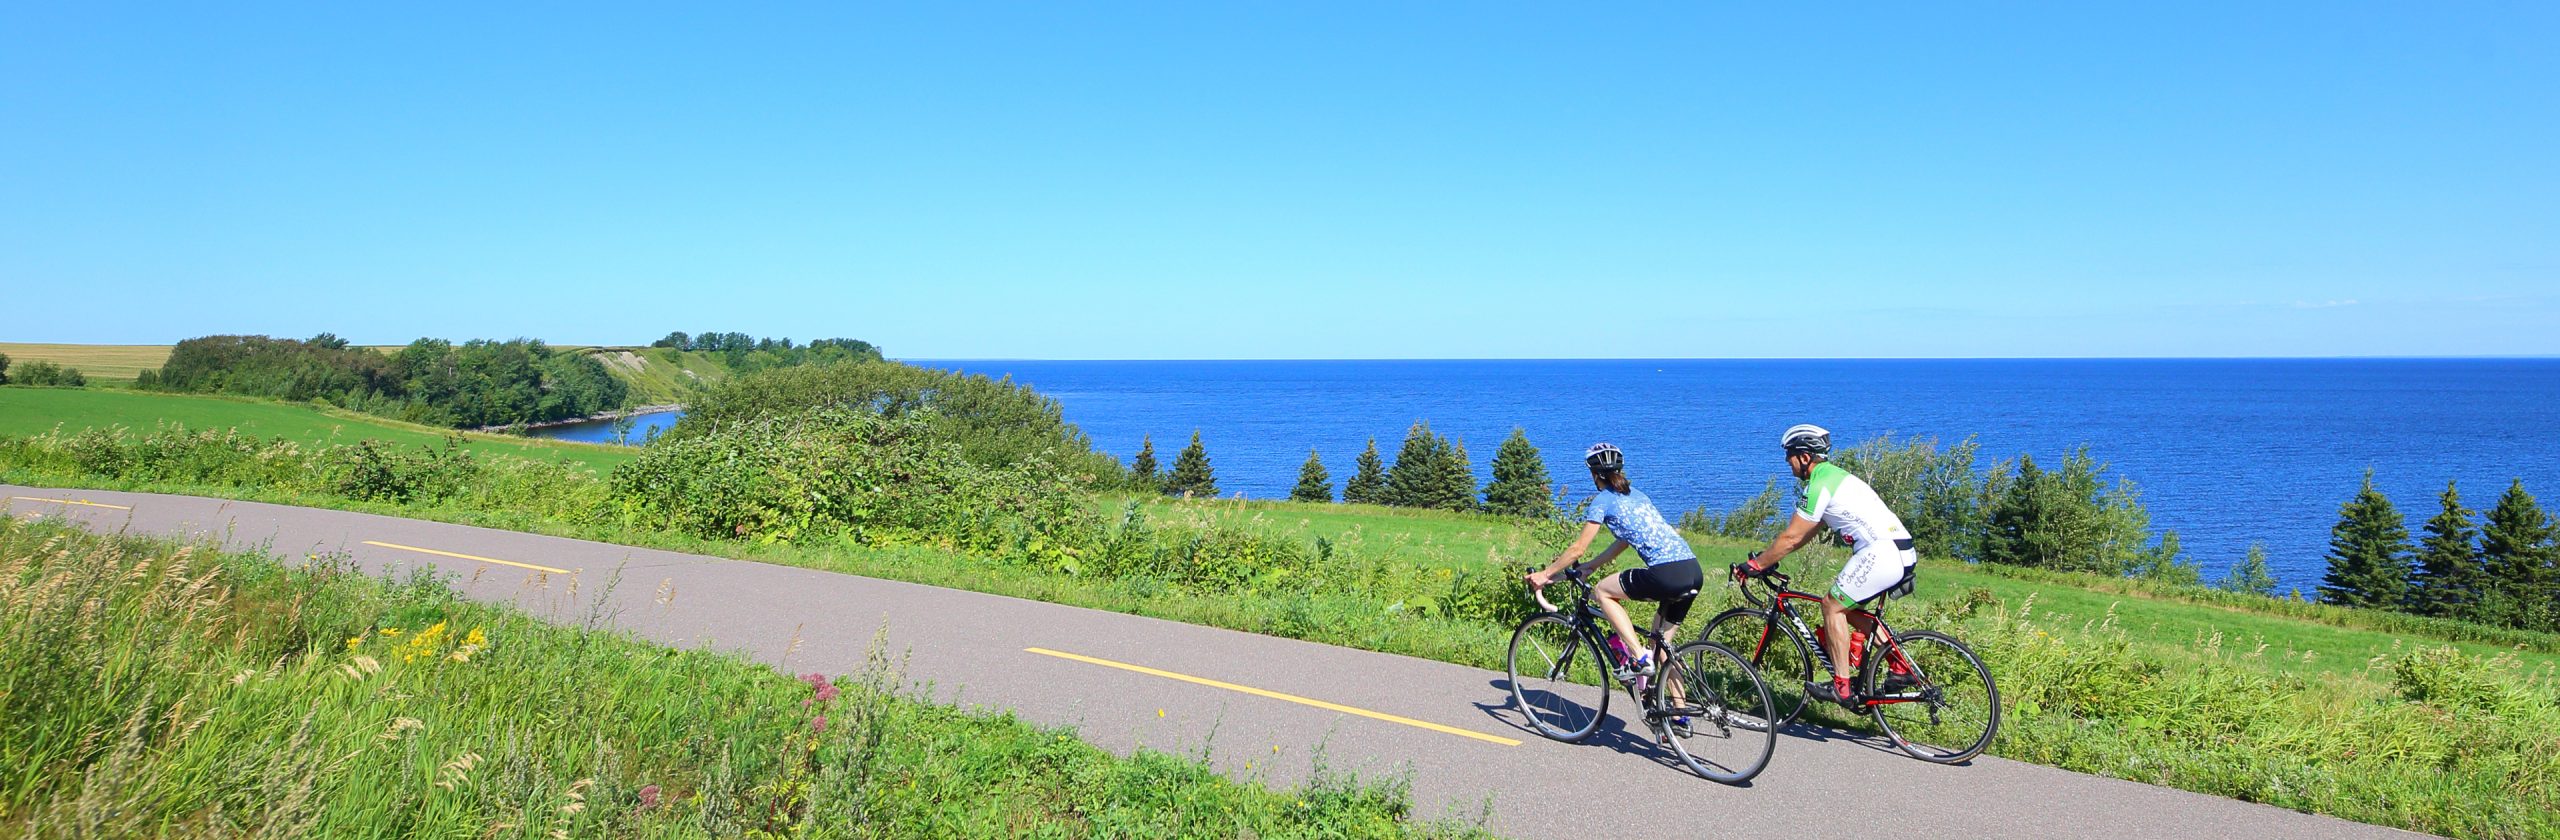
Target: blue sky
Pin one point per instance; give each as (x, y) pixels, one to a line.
(1294, 180)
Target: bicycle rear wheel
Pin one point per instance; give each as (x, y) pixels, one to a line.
(1557, 678)
(1771, 645)
(1714, 711)
(1947, 711)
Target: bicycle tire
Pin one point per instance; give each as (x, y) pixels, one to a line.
(1562, 664)
(1727, 736)
(1957, 710)
(1781, 656)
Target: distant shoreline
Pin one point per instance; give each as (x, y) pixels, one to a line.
(609, 415)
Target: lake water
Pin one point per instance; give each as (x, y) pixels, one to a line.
(601, 431)
(2226, 452)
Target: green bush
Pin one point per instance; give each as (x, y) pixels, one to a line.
(47, 373)
(993, 422)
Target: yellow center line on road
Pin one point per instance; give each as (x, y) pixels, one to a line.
(69, 502)
(1246, 689)
(467, 557)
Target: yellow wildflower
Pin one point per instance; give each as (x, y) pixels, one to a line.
(354, 642)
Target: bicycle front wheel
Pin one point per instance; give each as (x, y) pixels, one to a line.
(1771, 645)
(1932, 696)
(1715, 713)
(1557, 678)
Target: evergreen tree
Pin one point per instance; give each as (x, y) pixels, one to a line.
(1142, 469)
(2516, 551)
(2369, 553)
(2250, 574)
(2011, 535)
(1519, 486)
(1314, 484)
(1191, 475)
(2449, 577)
(1430, 472)
(1457, 477)
(1368, 484)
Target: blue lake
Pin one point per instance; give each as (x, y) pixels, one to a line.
(601, 431)
(2226, 452)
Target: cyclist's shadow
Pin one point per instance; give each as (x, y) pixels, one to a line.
(1613, 733)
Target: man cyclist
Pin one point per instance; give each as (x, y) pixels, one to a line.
(1670, 574)
(1881, 553)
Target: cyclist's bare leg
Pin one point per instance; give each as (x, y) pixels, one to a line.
(1612, 592)
(1666, 631)
(1835, 636)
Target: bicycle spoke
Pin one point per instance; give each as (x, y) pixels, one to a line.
(1716, 713)
(1950, 710)
(1556, 680)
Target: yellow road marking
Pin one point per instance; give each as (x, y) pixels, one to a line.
(1336, 707)
(70, 502)
(468, 557)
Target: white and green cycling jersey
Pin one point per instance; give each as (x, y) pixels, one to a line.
(1852, 509)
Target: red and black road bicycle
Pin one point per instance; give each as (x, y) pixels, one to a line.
(1926, 690)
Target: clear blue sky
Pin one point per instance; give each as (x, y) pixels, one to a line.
(1298, 180)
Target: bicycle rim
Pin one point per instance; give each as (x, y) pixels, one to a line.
(1773, 648)
(1715, 713)
(1557, 679)
(1949, 713)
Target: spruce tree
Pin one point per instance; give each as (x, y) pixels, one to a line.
(2369, 553)
(1457, 477)
(1314, 484)
(1191, 475)
(2449, 577)
(2516, 552)
(1142, 469)
(1368, 484)
(1409, 481)
(1519, 486)
(2011, 535)
(2250, 574)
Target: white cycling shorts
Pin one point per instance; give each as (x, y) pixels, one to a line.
(1871, 571)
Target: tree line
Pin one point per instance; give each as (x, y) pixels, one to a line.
(1430, 471)
(2501, 568)
(431, 381)
(744, 353)
(41, 373)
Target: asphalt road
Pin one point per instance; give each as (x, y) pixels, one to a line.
(1246, 701)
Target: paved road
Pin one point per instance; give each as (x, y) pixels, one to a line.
(1465, 750)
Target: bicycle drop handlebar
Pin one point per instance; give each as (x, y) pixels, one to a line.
(1539, 594)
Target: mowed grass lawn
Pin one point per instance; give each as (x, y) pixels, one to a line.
(96, 361)
(30, 411)
(2164, 625)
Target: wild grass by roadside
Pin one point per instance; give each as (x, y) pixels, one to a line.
(2398, 729)
(151, 690)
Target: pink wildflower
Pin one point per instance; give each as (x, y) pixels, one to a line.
(648, 797)
(818, 724)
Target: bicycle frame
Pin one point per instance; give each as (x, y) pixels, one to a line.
(1595, 628)
(1883, 642)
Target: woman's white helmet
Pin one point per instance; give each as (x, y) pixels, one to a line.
(1807, 438)
(1604, 457)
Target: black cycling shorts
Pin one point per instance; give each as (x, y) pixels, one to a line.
(1674, 584)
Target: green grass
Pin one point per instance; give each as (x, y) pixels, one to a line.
(29, 411)
(2156, 620)
(95, 361)
(149, 689)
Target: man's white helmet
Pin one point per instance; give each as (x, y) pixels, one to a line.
(1806, 437)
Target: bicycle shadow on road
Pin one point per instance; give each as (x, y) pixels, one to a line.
(1613, 734)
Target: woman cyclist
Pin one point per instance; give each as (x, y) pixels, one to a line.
(1670, 574)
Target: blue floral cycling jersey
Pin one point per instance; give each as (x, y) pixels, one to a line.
(1633, 519)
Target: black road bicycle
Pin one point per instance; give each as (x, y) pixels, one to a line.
(1702, 700)
(1926, 690)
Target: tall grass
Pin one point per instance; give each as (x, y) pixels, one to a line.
(155, 690)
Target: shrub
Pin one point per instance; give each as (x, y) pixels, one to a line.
(48, 373)
(994, 423)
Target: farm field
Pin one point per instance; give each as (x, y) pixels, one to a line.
(96, 361)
